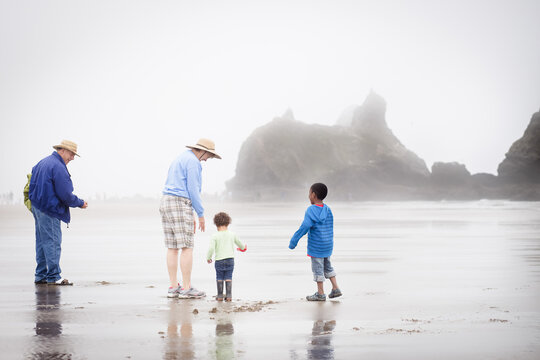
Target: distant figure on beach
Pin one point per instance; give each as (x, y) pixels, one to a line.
(182, 195)
(222, 244)
(51, 195)
(319, 225)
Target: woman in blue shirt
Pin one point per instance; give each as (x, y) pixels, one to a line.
(182, 195)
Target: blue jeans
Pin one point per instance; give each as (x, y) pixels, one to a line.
(322, 268)
(224, 269)
(48, 246)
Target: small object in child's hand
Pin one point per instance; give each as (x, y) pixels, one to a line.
(245, 248)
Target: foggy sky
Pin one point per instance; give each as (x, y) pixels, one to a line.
(133, 82)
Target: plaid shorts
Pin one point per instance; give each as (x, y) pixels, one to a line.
(177, 219)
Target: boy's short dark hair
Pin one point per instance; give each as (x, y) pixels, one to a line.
(222, 219)
(320, 190)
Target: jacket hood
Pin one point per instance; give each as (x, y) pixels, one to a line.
(323, 213)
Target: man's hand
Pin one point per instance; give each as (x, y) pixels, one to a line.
(85, 205)
(209, 261)
(201, 224)
(194, 226)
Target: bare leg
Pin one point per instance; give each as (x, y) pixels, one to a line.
(320, 287)
(186, 264)
(334, 283)
(172, 266)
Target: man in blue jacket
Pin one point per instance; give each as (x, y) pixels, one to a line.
(51, 195)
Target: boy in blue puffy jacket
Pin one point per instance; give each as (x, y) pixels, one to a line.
(319, 225)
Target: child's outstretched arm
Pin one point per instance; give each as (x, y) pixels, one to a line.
(304, 228)
(241, 247)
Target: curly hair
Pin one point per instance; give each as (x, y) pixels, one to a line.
(222, 219)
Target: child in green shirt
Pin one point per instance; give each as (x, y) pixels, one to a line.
(222, 243)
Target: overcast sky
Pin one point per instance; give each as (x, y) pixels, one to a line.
(133, 82)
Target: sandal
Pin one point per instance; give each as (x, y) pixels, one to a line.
(61, 282)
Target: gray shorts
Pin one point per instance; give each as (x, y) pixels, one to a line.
(177, 220)
(322, 268)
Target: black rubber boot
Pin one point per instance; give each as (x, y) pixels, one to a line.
(228, 287)
(219, 296)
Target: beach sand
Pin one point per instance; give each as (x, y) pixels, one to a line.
(420, 280)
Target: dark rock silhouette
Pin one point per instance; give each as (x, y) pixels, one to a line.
(450, 174)
(519, 172)
(452, 181)
(360, 158)
(286, 156)
(522, 161)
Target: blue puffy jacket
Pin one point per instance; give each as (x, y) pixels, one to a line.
(319, 225)
(51, 189)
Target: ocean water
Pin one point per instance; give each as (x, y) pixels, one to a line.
(402, 245)
(418, 278)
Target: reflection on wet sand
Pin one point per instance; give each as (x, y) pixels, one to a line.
(321, 346)
(182, 342)
(224, 348)
(48, 342)
(179, 342)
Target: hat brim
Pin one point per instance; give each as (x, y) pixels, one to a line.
(204, 149)
(58, 147)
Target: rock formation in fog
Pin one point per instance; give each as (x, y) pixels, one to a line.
(450, 174)
(522, 161)
(361, 159)
(358, 159)
(519, 172)
(452, 181)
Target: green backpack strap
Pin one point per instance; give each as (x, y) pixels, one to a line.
(26, 192)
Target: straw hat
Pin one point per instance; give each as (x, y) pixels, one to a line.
(206, 145)
(68, 145)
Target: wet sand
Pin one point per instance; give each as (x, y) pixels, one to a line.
(420, 281)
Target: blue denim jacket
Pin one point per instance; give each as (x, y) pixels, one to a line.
(51, 189)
